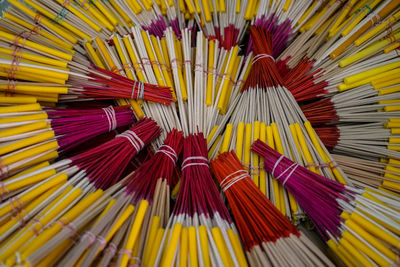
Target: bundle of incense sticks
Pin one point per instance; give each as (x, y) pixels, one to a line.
(360, 225)
(145, 196)
(366, 173)
(90, 173)
(267, 110)
(200, 230)
(28, 134)
(269, 238)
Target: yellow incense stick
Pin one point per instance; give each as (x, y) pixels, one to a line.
(26, 43)
(173, 243)
(134, 231)
(360, 16)
(43, 20)
(17, 99)
(33, 57)
(96, 14)
(35, 29)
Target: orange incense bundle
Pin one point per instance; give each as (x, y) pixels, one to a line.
(269, 238)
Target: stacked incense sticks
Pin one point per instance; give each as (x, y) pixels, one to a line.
(112, 113)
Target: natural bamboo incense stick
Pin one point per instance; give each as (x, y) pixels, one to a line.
(365, 173)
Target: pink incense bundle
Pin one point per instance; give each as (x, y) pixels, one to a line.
(114, 86)
(269, 238)
(73, 127)
(200, 229)
(359, 225)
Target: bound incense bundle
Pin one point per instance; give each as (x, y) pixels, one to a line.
(55, 248)
(282, 31)
(366, 173)
(83, 84)
(108, 85)
(152, 193)
(372, 141)
(360, 226)
(200, 230)
(29, 135)
(262, 227)
(77, 177)
(146, 192)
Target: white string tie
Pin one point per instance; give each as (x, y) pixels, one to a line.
(136, 142)
(140, 90)
(276, 165)
(235, 180)
(227, 177)
(185, 164)
(261, 56)
(294, 166)
(171, 153)
(111, 118)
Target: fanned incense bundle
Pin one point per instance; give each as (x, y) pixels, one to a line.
(90, 173)
(200, 230)
(269, 237)
(145, 197)
(30, 134)
(360, 225)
